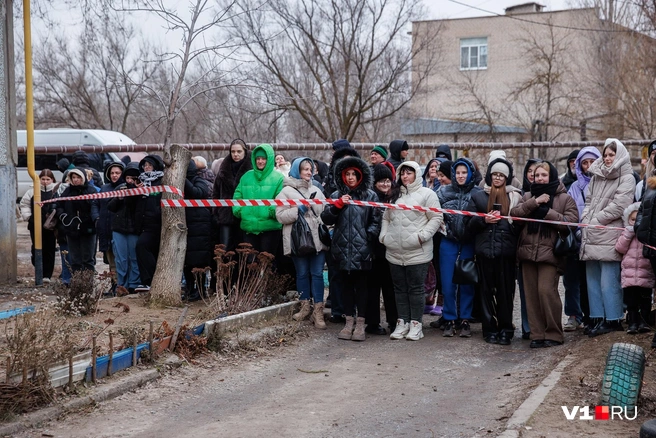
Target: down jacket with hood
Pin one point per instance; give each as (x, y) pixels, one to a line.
(538, 247)
(457, 197)
(128, 212)
(579, 188)
(259, 184)
(610, 191)
(104, 225)
(292, 185)
(355, 228)
(225, 183)
(151, 207)
(395, 148)
(199, 220)
(27, 205)
(636, 269)
(77, 218)
(408, 235)
(645, 225)
(500, 239)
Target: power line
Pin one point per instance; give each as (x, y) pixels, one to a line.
(514, 17)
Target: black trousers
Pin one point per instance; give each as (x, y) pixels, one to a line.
(147, 253)
(48, 249)
(497, 292)
(380, 278)
(354, 291)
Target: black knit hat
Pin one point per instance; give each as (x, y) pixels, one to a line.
(80, 157)
(651, 148)
(572, 155)
(445, 168)
(381, 171)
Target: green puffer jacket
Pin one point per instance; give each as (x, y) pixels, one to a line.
(259, 184)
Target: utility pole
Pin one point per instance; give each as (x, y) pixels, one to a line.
(8, 156)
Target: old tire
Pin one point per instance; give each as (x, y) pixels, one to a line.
(625, 366)
(648, 429)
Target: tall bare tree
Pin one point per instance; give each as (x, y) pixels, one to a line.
(337, 63)
(199, 42)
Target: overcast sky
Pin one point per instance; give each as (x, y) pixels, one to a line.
(450, 9)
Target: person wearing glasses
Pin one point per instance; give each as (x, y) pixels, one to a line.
(496, 248)
(408, 237)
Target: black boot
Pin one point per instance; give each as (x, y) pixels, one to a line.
(601, 328)
(592, 324)
(632, 318)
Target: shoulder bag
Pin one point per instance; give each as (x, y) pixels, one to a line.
(324, 233)
(465, 271)
(566, 245)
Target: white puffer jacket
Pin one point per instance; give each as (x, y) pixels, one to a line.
(408, 235)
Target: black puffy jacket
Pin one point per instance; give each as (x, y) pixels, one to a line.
(225, 183)
(104, 226)
(457, 197)
(645, 225)
(356, 228)
(199, 219)
(128, 212)
(150, 209)
(77, 218)
(492, 240)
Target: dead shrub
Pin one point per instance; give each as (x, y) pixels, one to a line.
(84, 292)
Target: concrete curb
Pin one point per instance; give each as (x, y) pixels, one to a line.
(105, 392)
(248, 319)
(524, 412)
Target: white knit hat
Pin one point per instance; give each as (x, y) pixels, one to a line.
(500, 168)
(498, 153)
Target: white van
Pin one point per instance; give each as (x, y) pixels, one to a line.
(67, 137)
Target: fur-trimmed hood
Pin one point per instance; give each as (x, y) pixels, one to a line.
(627, 212)
(651, 182)
(364, 168)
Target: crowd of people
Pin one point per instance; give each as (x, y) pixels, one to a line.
(415, 258)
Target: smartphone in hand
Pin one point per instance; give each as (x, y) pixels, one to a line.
(496, 207)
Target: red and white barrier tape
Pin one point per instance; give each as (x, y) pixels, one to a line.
(119, 193)
(295, 202)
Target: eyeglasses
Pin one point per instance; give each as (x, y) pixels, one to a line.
(384, 182)
(498, 176)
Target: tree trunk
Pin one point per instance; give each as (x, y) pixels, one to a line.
(165, 289)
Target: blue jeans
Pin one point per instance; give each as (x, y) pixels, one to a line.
(125, 254)
(448, 256)
(604, 290)
(65, 261)
(572, 285)
(309, 276)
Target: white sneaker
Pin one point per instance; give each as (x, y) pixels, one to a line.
(46, 280)
(571, 324)
(402, 329)
(415, 333)
(142, 288)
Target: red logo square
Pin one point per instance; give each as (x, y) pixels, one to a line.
(601, 413)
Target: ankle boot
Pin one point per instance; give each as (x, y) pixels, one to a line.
(358, 333)
(601, 328)
(592, 324)
(305, 311)
(347, 332)
(632, 318)
(317, 317)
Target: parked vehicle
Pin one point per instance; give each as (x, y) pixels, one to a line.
(67, 137)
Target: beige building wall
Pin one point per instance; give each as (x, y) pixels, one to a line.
(514, 43)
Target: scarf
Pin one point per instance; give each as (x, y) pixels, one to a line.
(148, 178)
(542, 210)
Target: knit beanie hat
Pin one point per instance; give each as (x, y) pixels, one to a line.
(500, 167)
(341, 144)
(260, 153)
(496, 154)
(380, 150)
(80, 157)
(445, 168)
(572, 155)
(382, 171)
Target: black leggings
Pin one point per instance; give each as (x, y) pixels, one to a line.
(354, 291)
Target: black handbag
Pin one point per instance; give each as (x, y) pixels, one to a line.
(566, 245)
(302, 242)
(465, 271)
(324, 232)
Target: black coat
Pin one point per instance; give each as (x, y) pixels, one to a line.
(456, 197)
(225, 184)
(104, 225)
(77, 218)
(492, 240)
(128, 214)
(645, 225)
(199, 221)
(356, 228)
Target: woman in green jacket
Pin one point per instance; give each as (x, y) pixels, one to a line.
(260, 226)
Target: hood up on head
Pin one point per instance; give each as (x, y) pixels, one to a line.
(416, 184)
(488, 173)
(396, 146)
(270, 164)
(443, 151)
(627, 212)
(155, 160)
(470, 171)
(365, 170)
(109, 167)
(295, 170)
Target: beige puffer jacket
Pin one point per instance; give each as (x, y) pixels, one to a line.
(610, 191)
(288, 215)
(408, 235)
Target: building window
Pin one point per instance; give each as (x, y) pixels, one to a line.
(473, 53)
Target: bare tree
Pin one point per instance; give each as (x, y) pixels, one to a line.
(174, 96)
(472, 93)
(336, 63)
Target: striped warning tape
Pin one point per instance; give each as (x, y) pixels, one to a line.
(119, 193)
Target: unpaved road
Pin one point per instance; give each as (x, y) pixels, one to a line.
(435, 387)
